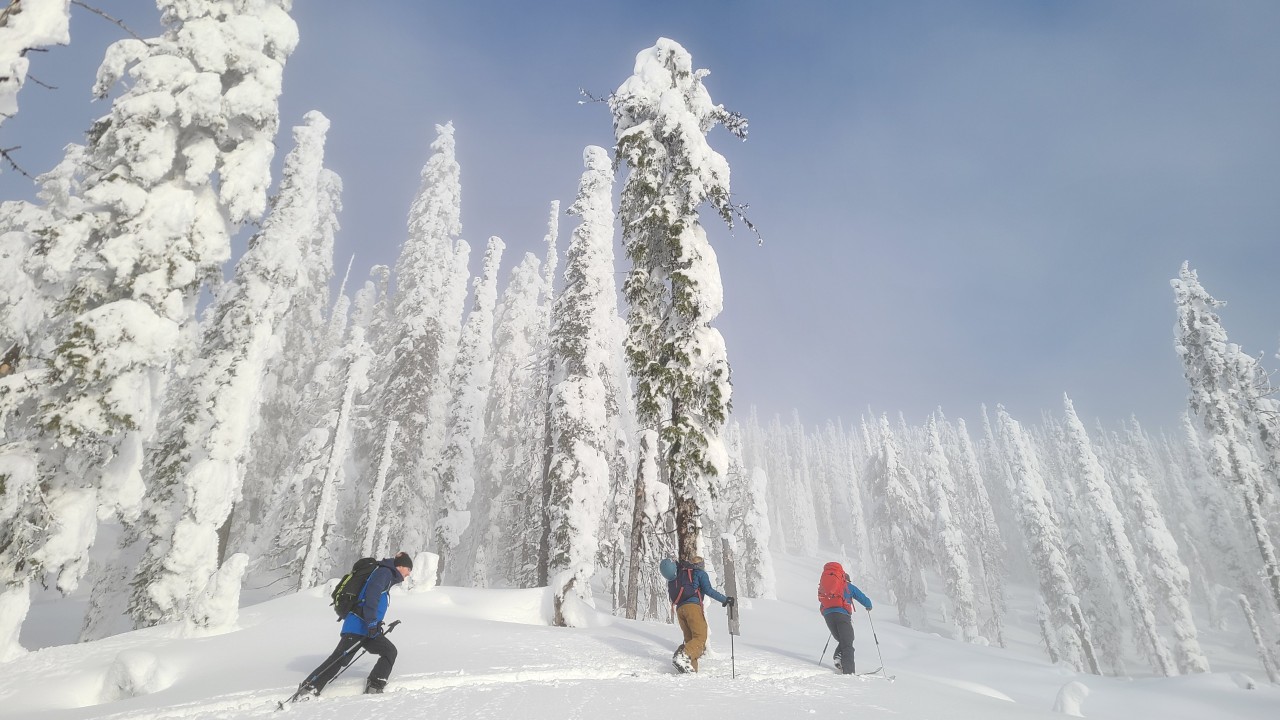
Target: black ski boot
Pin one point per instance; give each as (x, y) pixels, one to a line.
(374, 686)
(681, 660)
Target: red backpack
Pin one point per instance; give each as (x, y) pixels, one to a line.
(831, 587)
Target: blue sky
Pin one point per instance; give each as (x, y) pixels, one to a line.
(961, 202)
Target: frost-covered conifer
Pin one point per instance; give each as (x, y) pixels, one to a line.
(1220, 397)
(678, 360)
(951, 552)
(471, 376)
(200, 472)
(1044, 539)
(1171, 578)
(542, 387)
(510, 459)
(321, 535)
(183, 156)
(989, 546)
(417, 348)
(903, 548)
(1110, 521)
(1227, 557)
(586, 392)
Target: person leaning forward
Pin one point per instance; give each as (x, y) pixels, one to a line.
(686, 591)
(363, 628)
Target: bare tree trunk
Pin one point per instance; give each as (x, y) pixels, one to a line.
(544, 541)
(682, 491)
(1264, 654)
(637, 531)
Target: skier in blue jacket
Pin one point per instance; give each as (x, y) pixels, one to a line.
(835, 599)
(363, 627)
(686, 591)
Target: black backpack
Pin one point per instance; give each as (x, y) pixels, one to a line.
(346, 596)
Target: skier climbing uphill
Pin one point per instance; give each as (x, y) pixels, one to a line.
(835, 596)
(362, 628)
(686, 588)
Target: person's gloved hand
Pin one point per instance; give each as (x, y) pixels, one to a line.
(374, 629)
(729, 602)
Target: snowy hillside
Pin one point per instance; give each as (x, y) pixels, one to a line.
(471, 653)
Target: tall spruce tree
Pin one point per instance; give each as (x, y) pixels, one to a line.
(662, 114)
(1110, 521)
(903, 548)
(1067, 627)
(471, 376)
(586, 393)
(951, 550)
(416, 348)
(1222, 398)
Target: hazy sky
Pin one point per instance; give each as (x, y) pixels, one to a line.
(961, 202)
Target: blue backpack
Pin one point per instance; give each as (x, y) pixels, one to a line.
(686, 584)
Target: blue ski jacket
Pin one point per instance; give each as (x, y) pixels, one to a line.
(375, 598)
(851, 593)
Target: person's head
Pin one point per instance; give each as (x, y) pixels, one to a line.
(404, 564)
(698, 562)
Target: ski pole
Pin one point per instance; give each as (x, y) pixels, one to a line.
(877, 639)
(733, 670)
(824, 649)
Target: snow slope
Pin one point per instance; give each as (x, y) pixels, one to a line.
(470, 653)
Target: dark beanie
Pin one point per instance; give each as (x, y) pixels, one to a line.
(403, 560)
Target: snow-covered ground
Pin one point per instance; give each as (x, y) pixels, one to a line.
(469, 653)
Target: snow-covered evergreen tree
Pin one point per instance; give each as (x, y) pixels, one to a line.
(983, 533)
(471, 375)
(662, 114)
(1109, 519)
(1171, 578)
(1220, 398)
(200, 474)
(510, 459)
(586, 393)
(951, 552)
(542, 386)
(1069, 628)
(183, 156)
(903, 547)
(416, 350)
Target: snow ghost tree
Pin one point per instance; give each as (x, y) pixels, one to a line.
(200, 470)
(1063, 619)
(471, 376)
(1221, 399)
(679, 364)
(585, 392)
(182, 158)
(415, 351)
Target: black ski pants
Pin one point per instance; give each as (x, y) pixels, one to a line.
(841, 627)
(347, 650)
